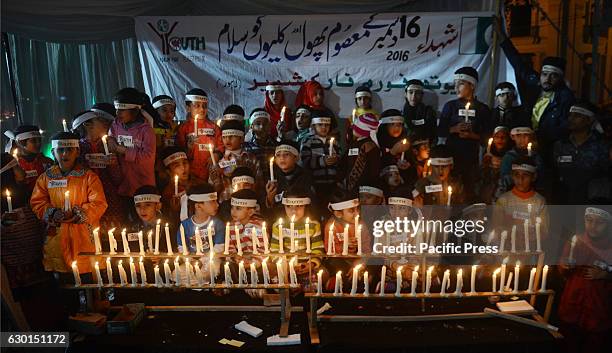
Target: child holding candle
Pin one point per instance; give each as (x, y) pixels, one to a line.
(361, 161)
(371, 194)
(433, 189)
(392, 138)
(586, 301)
(311, 95)
(391, 176)
(523, 137)
(420, 156)
(201, 206)
(246, 224)
(176, 163)
(303, 118)
(464, 126)
(274, 103)
(242, 178)
(69, 231)
(259, 141)
(148, 209)
(232, 112)
(420, 118)
(165, 127)
(491, 163)
(320, 155)
(344, 206)
(208, 134)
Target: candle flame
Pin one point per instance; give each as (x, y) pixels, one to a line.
(166, 262)
(467, 105)
(339, 273)
(490, 140)
(518, 263)
(15, 153)
(497, 271)
(108, 259)
(96, 230)
(8, 193)
(175, 178)
(320, 273)
(266, 259)
(430, 269)
(280, 221)
(158, 221)
(74, 263)
(307, 220)
(124, 230)
(331, 226)
(157, 267)
(331, 141)
(131, 260)
(416, 268)
(104, 138)
(141, 259)
(358, 267)
(67, 193)
(96, 264)
(292, 218)
(120, 263)
(166, 224)
(450, 189)
(404, 141)
(399, 269)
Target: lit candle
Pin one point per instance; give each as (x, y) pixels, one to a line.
(279, 272)
(167, 272)
(157, 226)
(67, 206)
(383, 278)
(531, 280)
(489, 145)
(292, 274)
(238, 239)
(320, 282)
(459, 285)
(227, 238)
(271, 168)
(126, 245)
(450, 193)
(255, 241)
(176, 178)
(359, 240)
(467, 114)
(212, 153)
(513, 239)
(65, 125)
(254, 278)
(141, 243)
(241, 273)
(105, 144)
(143, 272)
(112, 243)
(183, 240)
(198, 240)
(281, 246)
(428, 280)
(97, 244)
(109, 271)
(345, 240)
(330, 242)
(354, 116)
(415, 276)
(366, 283)
(133, 272)
(195, 125)
(502, 276)
(177, 272)
(77, 275)
(445, 282)
(331, 146)
(495, 280)
(307, 225)
(264, 235)
(538, 234)
(404, 141)
(473, 280)
(502, 243)
(544, 275)
(212, 268)
(398, 281)
(572, 246)
(529, 149)
(291, 230)
(265, 271)
(16, 154)
(158, 280)
(338, 287)
(168, 243)
(516, 276)
(122, 274)
(428, 167)
(150, 241)
(228, 274)
(283, 114)
(355, 279)
(9, 200)
(526, 231)
(209, 234)
(198, 273)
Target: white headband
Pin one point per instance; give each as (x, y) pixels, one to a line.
(499, 128)
(197, 198)
(389, 169)
(321, 120)
(119, 105)
(296, 201)
(83, 118)
(163, 101)
(174, 157)
(441, 161)
(504, 90)
(550, 68)
(392, 119)
(371, 190)
(27, 135)
(146, 198)
(339, 206)
(244, 202)
(401, 201)
(196, 98)
(243, 179)
(287, 148)
(521, 130)
(580, 110)
(363, 94)
(419, 142)
(233, 117)
(270, 88)
(598, 212)
(465, 77)
(232, 132)
(258, 114)
(303, 111)
(525, 167)
(414, 87)
(102, 114)
(65, 143)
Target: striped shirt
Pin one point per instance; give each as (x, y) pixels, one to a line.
(313, 152)
(246, 232)
(316, 240)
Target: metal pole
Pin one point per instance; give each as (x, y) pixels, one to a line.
(494, 58)
(11, 76)
(594, 89)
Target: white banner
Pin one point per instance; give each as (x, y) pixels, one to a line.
(233, 58)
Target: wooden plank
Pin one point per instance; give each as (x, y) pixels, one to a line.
(271, 299)
(313, 330)
(384, 318)
(198, 308)
(206, 286)
(555, 334)
(391, 296)
(519, 319)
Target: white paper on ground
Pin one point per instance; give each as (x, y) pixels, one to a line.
(276, 340)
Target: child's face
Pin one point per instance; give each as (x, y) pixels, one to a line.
(127, 115)
(367, 199)
(148, 211)
(198, 108)
(364, 102)
(500, 140)
(276, 97)
(505, 100)
(302, 120)
(167, 112)
(399, 211)
(441, 171)
(206, 208)
(180, 168)
(393, 179)
(66, 157)
(285, 161)
(521, 140)
(232, 142)
(522, 180)
(395, 130)
(348, 214)
(32, 145)
(321, 129)
(422, 151)
(261, 128)
(578, 122)
(297, 211)
(96, 127)
(464, 89)
(317, 97)
(242, 214)
(595, 226)
(414, 96)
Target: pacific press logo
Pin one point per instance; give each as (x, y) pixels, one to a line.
(169, 43)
